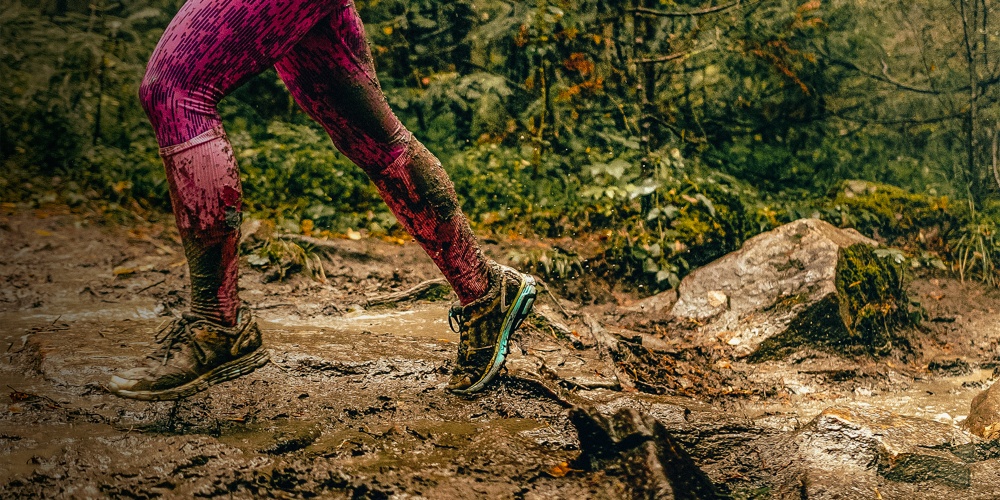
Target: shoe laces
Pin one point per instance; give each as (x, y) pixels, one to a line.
(172, 335)
(457, 316)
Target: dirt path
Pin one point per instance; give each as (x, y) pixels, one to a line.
(353, 403)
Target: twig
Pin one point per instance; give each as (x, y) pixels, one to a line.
(698, 12)
(548, 291)
(143, 289)
(677, 55)
(272, 306)
(419, 291)
(538, 385)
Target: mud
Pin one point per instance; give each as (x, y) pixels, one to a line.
(353, 405)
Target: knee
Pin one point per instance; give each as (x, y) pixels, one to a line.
(156, 95)
(165, 96)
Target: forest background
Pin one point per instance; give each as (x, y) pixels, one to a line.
(635, 139)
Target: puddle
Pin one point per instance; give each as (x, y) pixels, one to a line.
(422, 320)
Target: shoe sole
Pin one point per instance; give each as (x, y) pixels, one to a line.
(515, 316)
(226, 371)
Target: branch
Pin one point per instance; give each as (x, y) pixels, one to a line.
(645, 11)
(901, 121)
(421, 290)
(674, 56)
(885, 78)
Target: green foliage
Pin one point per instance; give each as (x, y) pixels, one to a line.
(293, 171)
(888, 212)
(977, 249)
(873, 296)
(666, 139)
(285, 257)
(67, 97)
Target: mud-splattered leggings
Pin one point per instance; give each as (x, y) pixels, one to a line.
(319, 50)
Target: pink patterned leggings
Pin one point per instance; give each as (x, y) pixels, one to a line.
(319, 50)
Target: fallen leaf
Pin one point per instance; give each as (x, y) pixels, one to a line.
(560, 470)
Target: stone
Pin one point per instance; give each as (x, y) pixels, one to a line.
(639, 446)
(652, 306)
(862, 440)
(984, 414)
(804, 283)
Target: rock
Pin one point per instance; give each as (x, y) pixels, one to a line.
(652, 306)
(806, 282)
(984, 414)
(953, 367)
(861, 442)
(642, 448)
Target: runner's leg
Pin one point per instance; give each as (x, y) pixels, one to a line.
(209, 49)
(331, 75)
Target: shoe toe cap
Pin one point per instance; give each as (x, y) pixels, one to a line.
(127, 380)
(459, 382)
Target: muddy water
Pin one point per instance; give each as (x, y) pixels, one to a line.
(351, 406)
(359, 397)
(426, 320)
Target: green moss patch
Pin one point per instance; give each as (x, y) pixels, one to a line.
(873, 301)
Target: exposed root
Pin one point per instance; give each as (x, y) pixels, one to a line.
(608, 345)
(419, 291)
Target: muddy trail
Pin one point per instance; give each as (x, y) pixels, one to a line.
(353, 403)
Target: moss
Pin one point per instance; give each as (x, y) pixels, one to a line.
(873, 301)
(888, 212)
(865, 316)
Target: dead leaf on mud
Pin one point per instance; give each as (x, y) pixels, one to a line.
(17, 396)
(561, 469)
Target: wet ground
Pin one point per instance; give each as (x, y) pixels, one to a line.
(353, 404)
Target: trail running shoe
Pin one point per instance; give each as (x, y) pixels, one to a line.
(194, 354)
(485, 327)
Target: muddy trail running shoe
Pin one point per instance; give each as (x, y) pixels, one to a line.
(194, 354)
(485, 327)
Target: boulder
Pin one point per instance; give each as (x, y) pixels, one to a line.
(899, 448)
(861, 451)
(806, 282)
(984, 414)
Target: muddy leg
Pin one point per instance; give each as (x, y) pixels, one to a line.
(331, 75)
(209, 49)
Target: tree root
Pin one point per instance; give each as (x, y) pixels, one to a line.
(421, 290)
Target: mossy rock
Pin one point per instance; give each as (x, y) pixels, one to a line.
(806, 283)
(866, 315)
(873, 301)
